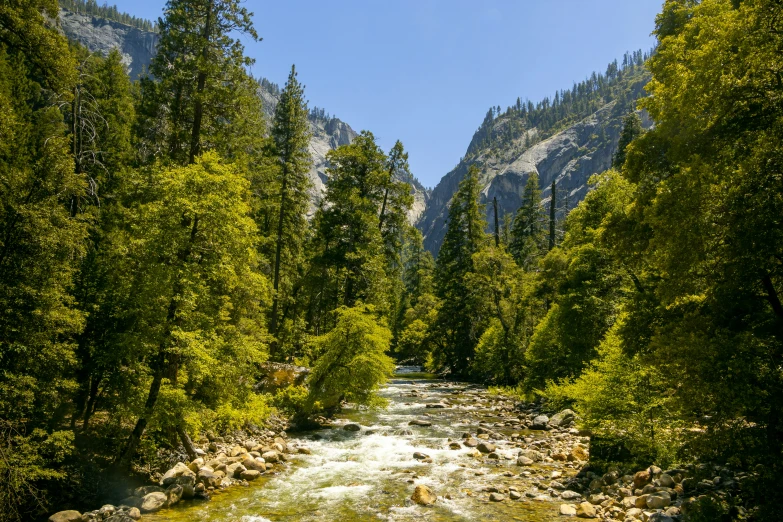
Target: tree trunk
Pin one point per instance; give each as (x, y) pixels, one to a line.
(90, 409)
(198, 110)
(149, 408)
(190, 449)
(552, 216)
(278, 251)
(497, 227)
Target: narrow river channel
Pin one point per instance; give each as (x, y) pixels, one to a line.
(370, 474)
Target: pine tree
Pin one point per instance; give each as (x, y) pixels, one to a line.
(632, 129)
(456, 328)
(202, 91)
(527, 232)
(291, 141)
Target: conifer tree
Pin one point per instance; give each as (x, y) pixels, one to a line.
(456, 328)
(527, 232)
(632, 129)
(202, 91)
(290, 142)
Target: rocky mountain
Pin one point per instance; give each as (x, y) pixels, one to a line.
(508, 147)
(138, 48)
(102, 35)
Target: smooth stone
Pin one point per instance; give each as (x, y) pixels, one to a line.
(567, 510)
(250, 474)
(586, 510)
(423, 496)
(419, 422)
(352, 427)
(570, 495)
(497, 497)
(69, 515)
(486, 447)
(153, 502)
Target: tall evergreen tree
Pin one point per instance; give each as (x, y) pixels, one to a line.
(527, 232)
(632, 129)
(290, 142)
(457, 327)
(201, 92)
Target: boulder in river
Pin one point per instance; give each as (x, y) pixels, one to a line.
(420, 456)
(540, 422)
(486, 447)
(153, 502)
(420, 422)
(352, 427)
(423, 496)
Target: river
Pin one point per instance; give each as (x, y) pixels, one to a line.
(370, 474)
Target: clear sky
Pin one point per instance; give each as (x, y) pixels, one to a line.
(426, 71)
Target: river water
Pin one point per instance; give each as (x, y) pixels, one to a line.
(371, 474)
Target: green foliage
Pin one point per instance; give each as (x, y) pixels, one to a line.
(352, 362)
(202, 97)
(632, 129)
(457, 327)
(527, 243)
(292, 399)
(290, 148)
(620, 397)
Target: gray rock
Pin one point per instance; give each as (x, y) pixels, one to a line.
(570, 495)
(153, 502)
(563, 419)
(658, 500)
(250, 474)
(541, 422)
(174, 494)
(486, 447)
(352, 427)
(497, 497)
(420, 422)
(66, 516)
(420, 456)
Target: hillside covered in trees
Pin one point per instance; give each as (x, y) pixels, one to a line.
(160, 245)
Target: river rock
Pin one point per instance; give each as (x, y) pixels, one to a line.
(570, 495)
(524, 461)
(352, 427)
(454, 445)
(579, 453)
(541, 422)
(420, 456)
(659, 500)
(271, 457)
(131, 501)
(255, 464)
(563, 419)
(666, 481)
(533, 455)
(423, 495)
(153, 502)
(66, 516)
(178, 470)
(420, 422)
(210, 479)
(234, 470)
(174, 494)
(586, 510)
(470, 443)
(250, 474)
(640, 479)
(237, 451)
(497, 497)
(134, 513)
(514, 495)
(568, 510)
(486, 447)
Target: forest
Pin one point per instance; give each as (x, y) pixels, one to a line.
(158, 244)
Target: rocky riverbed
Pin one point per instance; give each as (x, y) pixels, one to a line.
(440, 451)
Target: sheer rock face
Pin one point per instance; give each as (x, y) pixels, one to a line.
(101, 35)
(568, 157)
(138, 48)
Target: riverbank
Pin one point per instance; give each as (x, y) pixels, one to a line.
(440, 451)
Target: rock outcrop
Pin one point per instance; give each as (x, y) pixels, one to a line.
(568, 157)
(101, 35)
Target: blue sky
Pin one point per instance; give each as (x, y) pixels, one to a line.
(426, 71)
